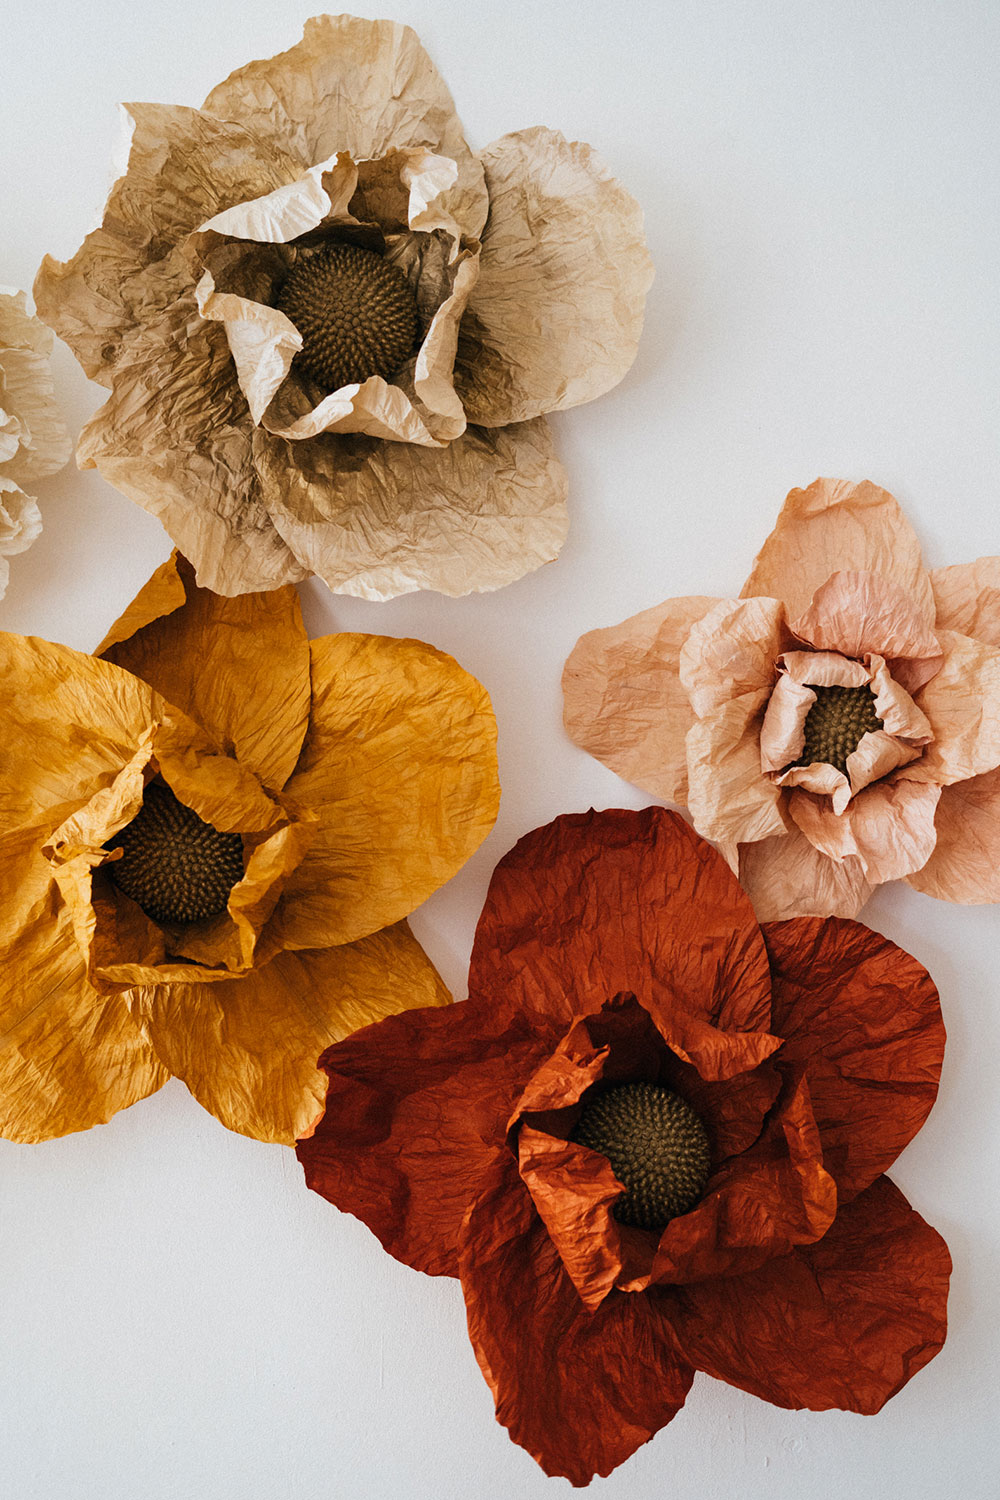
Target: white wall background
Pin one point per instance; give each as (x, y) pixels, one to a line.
(178, 1316)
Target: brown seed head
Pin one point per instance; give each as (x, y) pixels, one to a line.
(176, 866)
(836, 724)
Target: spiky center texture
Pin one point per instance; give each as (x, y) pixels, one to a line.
(356, 313)
(176, 866)
(836, 724)
(656, 1145)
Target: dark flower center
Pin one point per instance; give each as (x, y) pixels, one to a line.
(176, 866)
(657, 1148)
(356, 313)
(836, 724)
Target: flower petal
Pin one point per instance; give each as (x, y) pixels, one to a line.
(239, 667)
(968, 598)
(249, 1048)
(399, 764)
(788, 877)
(598, 904)
(887, 827)
(579, 1391)
(623, 698)
(380, 519)
(864, 1018)
(834, 526)
(416, 1110)
(962, 702)
(367, 87)
(556, 317)
(843, 1323)
(965, 863)
(861, 614)
(70, 1057)
(28, 395)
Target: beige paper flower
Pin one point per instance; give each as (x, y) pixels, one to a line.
(835, 727)
(331, 332)
(33, 441)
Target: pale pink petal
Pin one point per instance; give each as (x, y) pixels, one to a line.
(732, 652)
(835, 525)
(877, 755)
(968, 598)
(861, 613)
(824, 669)
(783, 732)
(888, 828)
(965, 865)
(787, 877)
(894, 706)
(623, 698)
(821, 779)
(962, 703)
(729, 797)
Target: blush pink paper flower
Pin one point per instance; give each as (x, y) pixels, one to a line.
(835, 727)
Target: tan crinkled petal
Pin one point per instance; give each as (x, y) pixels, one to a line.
(877, 754)
(732, 653)
(968, 598)
(888, 828)
(729, 797)
(399, 764)
(783, 732)
(859, 613)
(183, 167)
(69, 1057)
(382, 519)
(248, 1048)
(238, 667)
(787, 877)
(965, 864)
(962, 703)
(894, 706)
(41, 445)
(366, 87)
(556, 316)
(623, 698)
(20, 524)
(822, 779)
(175, 437)
(835, 526)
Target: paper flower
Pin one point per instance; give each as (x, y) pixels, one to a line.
(33, 441)
(210, 837)
(652, 1142)
(331, 331)
(835, 727)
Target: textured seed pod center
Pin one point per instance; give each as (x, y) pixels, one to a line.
(656, 1145)
(836, 724)
(356, 313)
(176, 866)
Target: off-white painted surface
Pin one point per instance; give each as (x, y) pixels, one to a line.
(179, 1318)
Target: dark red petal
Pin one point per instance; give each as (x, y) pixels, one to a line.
(580, 1391)
(416, 1110)
(842, 1323)
(604, 902)
(864, 1018)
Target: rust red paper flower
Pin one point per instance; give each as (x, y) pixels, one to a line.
(617, 959)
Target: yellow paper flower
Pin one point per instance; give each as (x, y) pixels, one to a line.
(33, 441)
(211, 833)
(331, 332)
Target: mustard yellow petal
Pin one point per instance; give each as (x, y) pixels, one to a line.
(239, 667)
(248, 1048)
(69, 1056)
(399, 765)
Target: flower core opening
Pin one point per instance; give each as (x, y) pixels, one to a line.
(356, 313)
(175, 866)
(836, 724)
(657, 1148)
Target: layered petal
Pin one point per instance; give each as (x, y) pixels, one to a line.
(835, 526)
(863, 1017)
(580, 1391)
(967, 597)
(367, 87)
(624, 702)
(888, 828)
(249, 1048)
(33, 438)
(399, 766)
(965, 862)
(598, 904)
(863, 614)
(379, 519)
(556, 316)
(238, 667)
(416, 1113)
(842, 1323)
(789, 877)
(962, 702)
